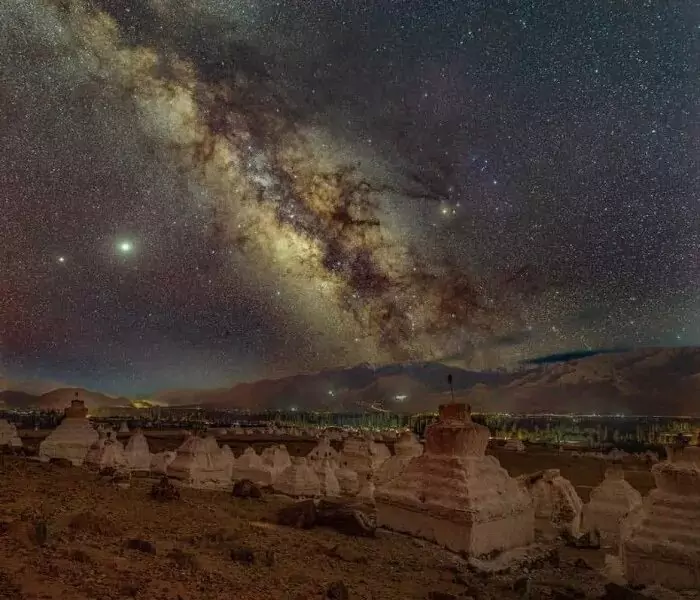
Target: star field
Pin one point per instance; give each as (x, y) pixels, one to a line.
(194, 193)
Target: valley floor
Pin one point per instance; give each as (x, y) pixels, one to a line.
(83, 552)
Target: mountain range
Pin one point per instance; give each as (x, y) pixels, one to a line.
(647, 381)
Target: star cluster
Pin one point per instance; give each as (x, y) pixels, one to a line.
(198, 192)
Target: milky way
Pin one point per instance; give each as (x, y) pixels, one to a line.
(195, 193)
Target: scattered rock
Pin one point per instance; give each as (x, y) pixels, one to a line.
(164, 490)
(435, 595)
(242, 554)
(588, 540)
(347, 554)
(61, 462)
(269, 558)
(41, 533)
(245, 488)
(346, 519)
(337, 591)
(141, 546)
(523, 587)
(184, 560)
(582, 564)
(90, 523)
(80, 556)
(301, 515)
(613, 591)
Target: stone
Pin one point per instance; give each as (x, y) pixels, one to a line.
(8, 435)
(327, 478)
(141, 545)
(405, 449)
(555, 499)
(456, 496)
(73, 437)
(609, 504)
(337, 591)
(346, 519)
(297, 480)
(250, 465)
(245, 488)
(660, 541)
(197, 464)
(301, 515)
(242, 554)
(164, 490)
(137, 452)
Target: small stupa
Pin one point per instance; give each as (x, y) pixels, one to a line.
(107, 452)
(124, 428)
(363, 455)
(197, 465)
(555, 499)
(227, 459)
(609, 504)
(325, 470)
(405, 449)
(137, 452)
(72, 438)
(277, 459)
(250, 465)
(456, 496)
(94, 453)
(660, 542)
(8, 435)
(323, 450)
(297, 480)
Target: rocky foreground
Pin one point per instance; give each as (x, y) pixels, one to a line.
(68, 533)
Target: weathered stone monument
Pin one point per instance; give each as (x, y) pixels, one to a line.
(72, 438)
(299, 479)
(609, 504)
(405, 449)
(456, 496)
(660, 542)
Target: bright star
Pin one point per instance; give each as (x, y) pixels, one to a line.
(125, 247)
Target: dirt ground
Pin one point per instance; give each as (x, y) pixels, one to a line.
(65, 533)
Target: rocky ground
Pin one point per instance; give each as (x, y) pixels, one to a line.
(70, 534)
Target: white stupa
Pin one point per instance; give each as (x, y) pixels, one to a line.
(250, 465)
(196, 464)
(72, 438)
(299, 479)
(138, 453)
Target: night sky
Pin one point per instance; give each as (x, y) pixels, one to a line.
(198, 192)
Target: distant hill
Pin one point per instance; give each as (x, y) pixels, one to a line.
(360, 388)
(58, 399)
(647, 381)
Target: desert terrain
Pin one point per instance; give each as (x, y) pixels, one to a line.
(68, 533)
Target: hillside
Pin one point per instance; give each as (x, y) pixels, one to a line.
(57, 399)
(648, 381)
(360, 388)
